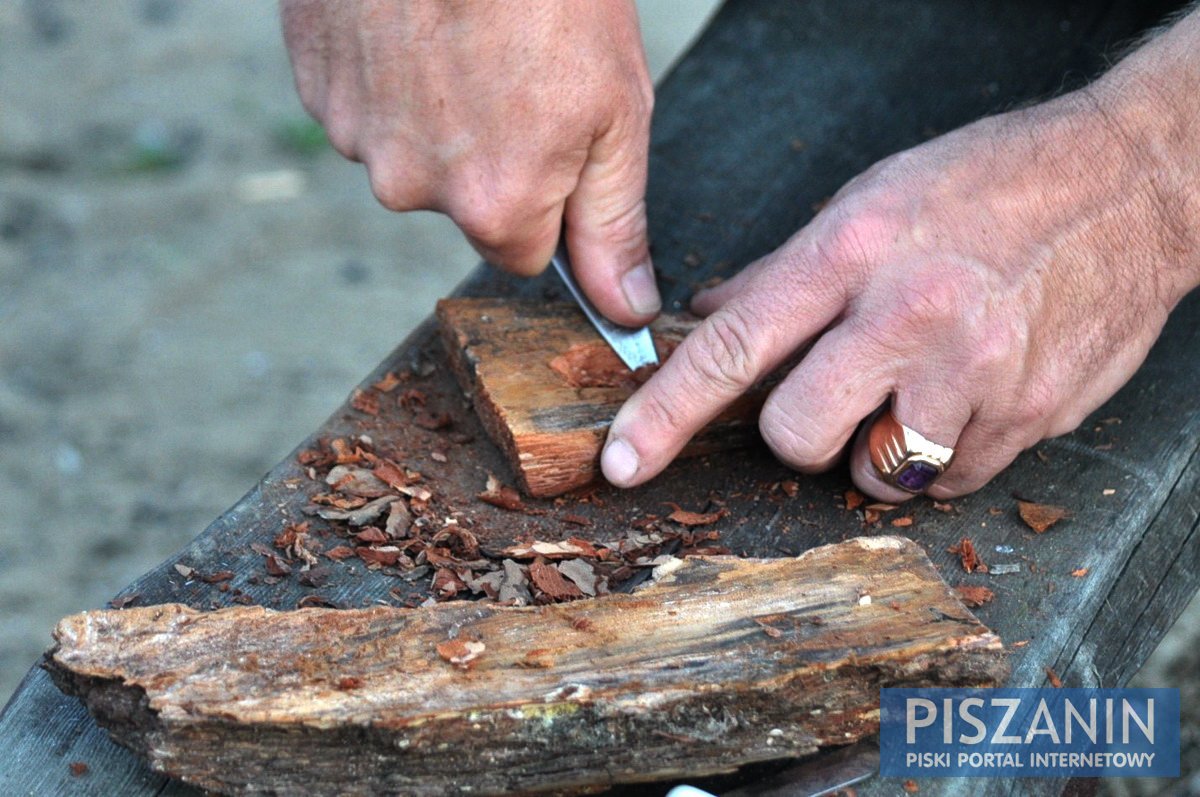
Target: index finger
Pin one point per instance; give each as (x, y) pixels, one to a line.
(783, 305)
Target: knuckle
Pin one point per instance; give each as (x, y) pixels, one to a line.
(1036, 405)
(342, 135)
(485, 220)
(392, 189)
(663, 415)
(790, 437)
(930, 302)
(853, 233)
(628, 226)
(724, 354)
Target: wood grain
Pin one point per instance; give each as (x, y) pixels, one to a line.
(722, 662)
(546, 386)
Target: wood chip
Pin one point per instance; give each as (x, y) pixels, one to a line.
(78, 769)
(361, 516)
(551, 582)
(1040, 517)
(946, 508)
(316, 577)
(360, 482)
(1055, 681)
(389, 382)
(910, 786)
(582, 575)
(365, 401)
(390, 473)
(340, 552)
(276, 566)
(686, 518)
(1080, 573)
(371, 536)
(854, 499)
(567, 549)
(461, 653)
(184, 570)
(384, 556)
(902, 522)
(968, 556)
(501, 495)
(974, 596)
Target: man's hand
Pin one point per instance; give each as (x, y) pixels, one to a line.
(996, 284)
(509, 116)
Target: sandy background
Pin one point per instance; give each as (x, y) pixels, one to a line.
(190, 281)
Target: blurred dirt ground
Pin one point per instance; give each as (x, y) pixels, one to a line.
(190, 281)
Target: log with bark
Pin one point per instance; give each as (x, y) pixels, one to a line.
(546, 386)
(720, 662)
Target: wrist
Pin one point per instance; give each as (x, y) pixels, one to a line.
(1151, 99)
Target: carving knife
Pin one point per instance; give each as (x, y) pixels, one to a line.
(635, 347)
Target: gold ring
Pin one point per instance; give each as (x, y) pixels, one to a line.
(903, 456)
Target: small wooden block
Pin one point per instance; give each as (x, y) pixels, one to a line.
(547, 386)
(720, 663)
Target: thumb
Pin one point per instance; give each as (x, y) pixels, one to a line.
(606, 228)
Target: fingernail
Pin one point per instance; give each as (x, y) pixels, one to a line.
(619, 462)
(641, 292)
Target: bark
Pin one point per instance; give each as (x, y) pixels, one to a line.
(721, 662)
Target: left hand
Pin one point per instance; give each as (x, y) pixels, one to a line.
(998, 284)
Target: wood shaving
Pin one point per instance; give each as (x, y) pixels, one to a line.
(359, 482)
(854, 499)
(567, 549)
(686, 518)
(974, 596)
(551, 583)
(501, 495)
(965, 549)
(368, 513)
(389, 382)
(1041, 517)
(583, 575)
(1055, 681)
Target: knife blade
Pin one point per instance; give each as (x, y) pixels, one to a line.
(635, 347)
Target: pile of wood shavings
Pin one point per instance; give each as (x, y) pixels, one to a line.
(386, 515)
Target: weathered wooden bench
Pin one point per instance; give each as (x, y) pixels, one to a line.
(773, 109)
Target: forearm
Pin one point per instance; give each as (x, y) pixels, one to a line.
(1155, 93)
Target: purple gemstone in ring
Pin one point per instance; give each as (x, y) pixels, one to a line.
(916, 476)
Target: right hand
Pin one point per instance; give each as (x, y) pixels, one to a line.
(512, 117)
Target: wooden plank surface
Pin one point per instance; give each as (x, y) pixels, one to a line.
(723, 661)
(546, 388)
(774, 108)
